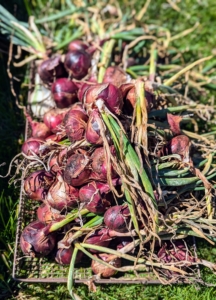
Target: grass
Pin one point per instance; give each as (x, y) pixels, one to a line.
(199, 43)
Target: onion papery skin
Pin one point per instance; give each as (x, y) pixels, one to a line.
(77, 170)
(77, 63)
(104, 271)
(62, 196)
(47, 214)
(107, 92)
(39, 129)
(63, 255)
(53, 118)
(117, 218)
(92, 134)
(57, 161)
(51, 68)
(64, 92)
(32, 146)
(75, 124)
(99, 163)
(116, 76)
(96, 197)
(37, 184)
(82, 90)
(100, 238)
(77, 45)
(36, 240)
(179, 144)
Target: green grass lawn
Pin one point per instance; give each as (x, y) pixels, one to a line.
(201, 42)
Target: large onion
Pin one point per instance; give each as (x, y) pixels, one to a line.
(37, 184)
(117, 218)
(62, 196)
(36, 240)
(64, 92)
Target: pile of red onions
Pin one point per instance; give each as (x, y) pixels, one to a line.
(74, 146)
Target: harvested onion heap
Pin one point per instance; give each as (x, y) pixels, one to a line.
(116, 176)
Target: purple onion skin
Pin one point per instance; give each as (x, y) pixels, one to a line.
(32, 147)
(47, 214)
(37, 184)
(63, 256)
(54, 118)
(36, 240)
(99, 163)
(117, 218)
(107, 92)
(62, 196)
(50, 68)
(92, 134)
(75, 125)
(77, 170)
(95, 197)
(77, 45)
(64, 92)
(100, 238)
(77, 62)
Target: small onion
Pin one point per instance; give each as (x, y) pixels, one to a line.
(77, 45)
(47, 214)
(75, 124)
(37, 184)
(63, 256)
(64, 92)
(104, 271)
(108, 93)
(77, 170)
(77, 63)
(53, 118)
(62, 196)
(36, 240)
(33, 146)
(117, 218)
(39, 129)
(50, 68)
(99, 163)
(92, 134)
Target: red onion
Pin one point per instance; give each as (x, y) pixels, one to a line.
(32, 146)
(63, 256)
(82, 90)
(75, 124)
(39, 129)
(99, 238)
(95, 196)
(62, 196)
(50, 68)
(56, 162)
(37, 185)
(93, 129)
(64, 92)
(77, 171)
(77, 45)
(102, 270)
(36, 239)
(174, 123)
(53, 118)
(47, 214)
(107, 92)
(117, 218)
(77, 62)
(180, 144)
(99, 163)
